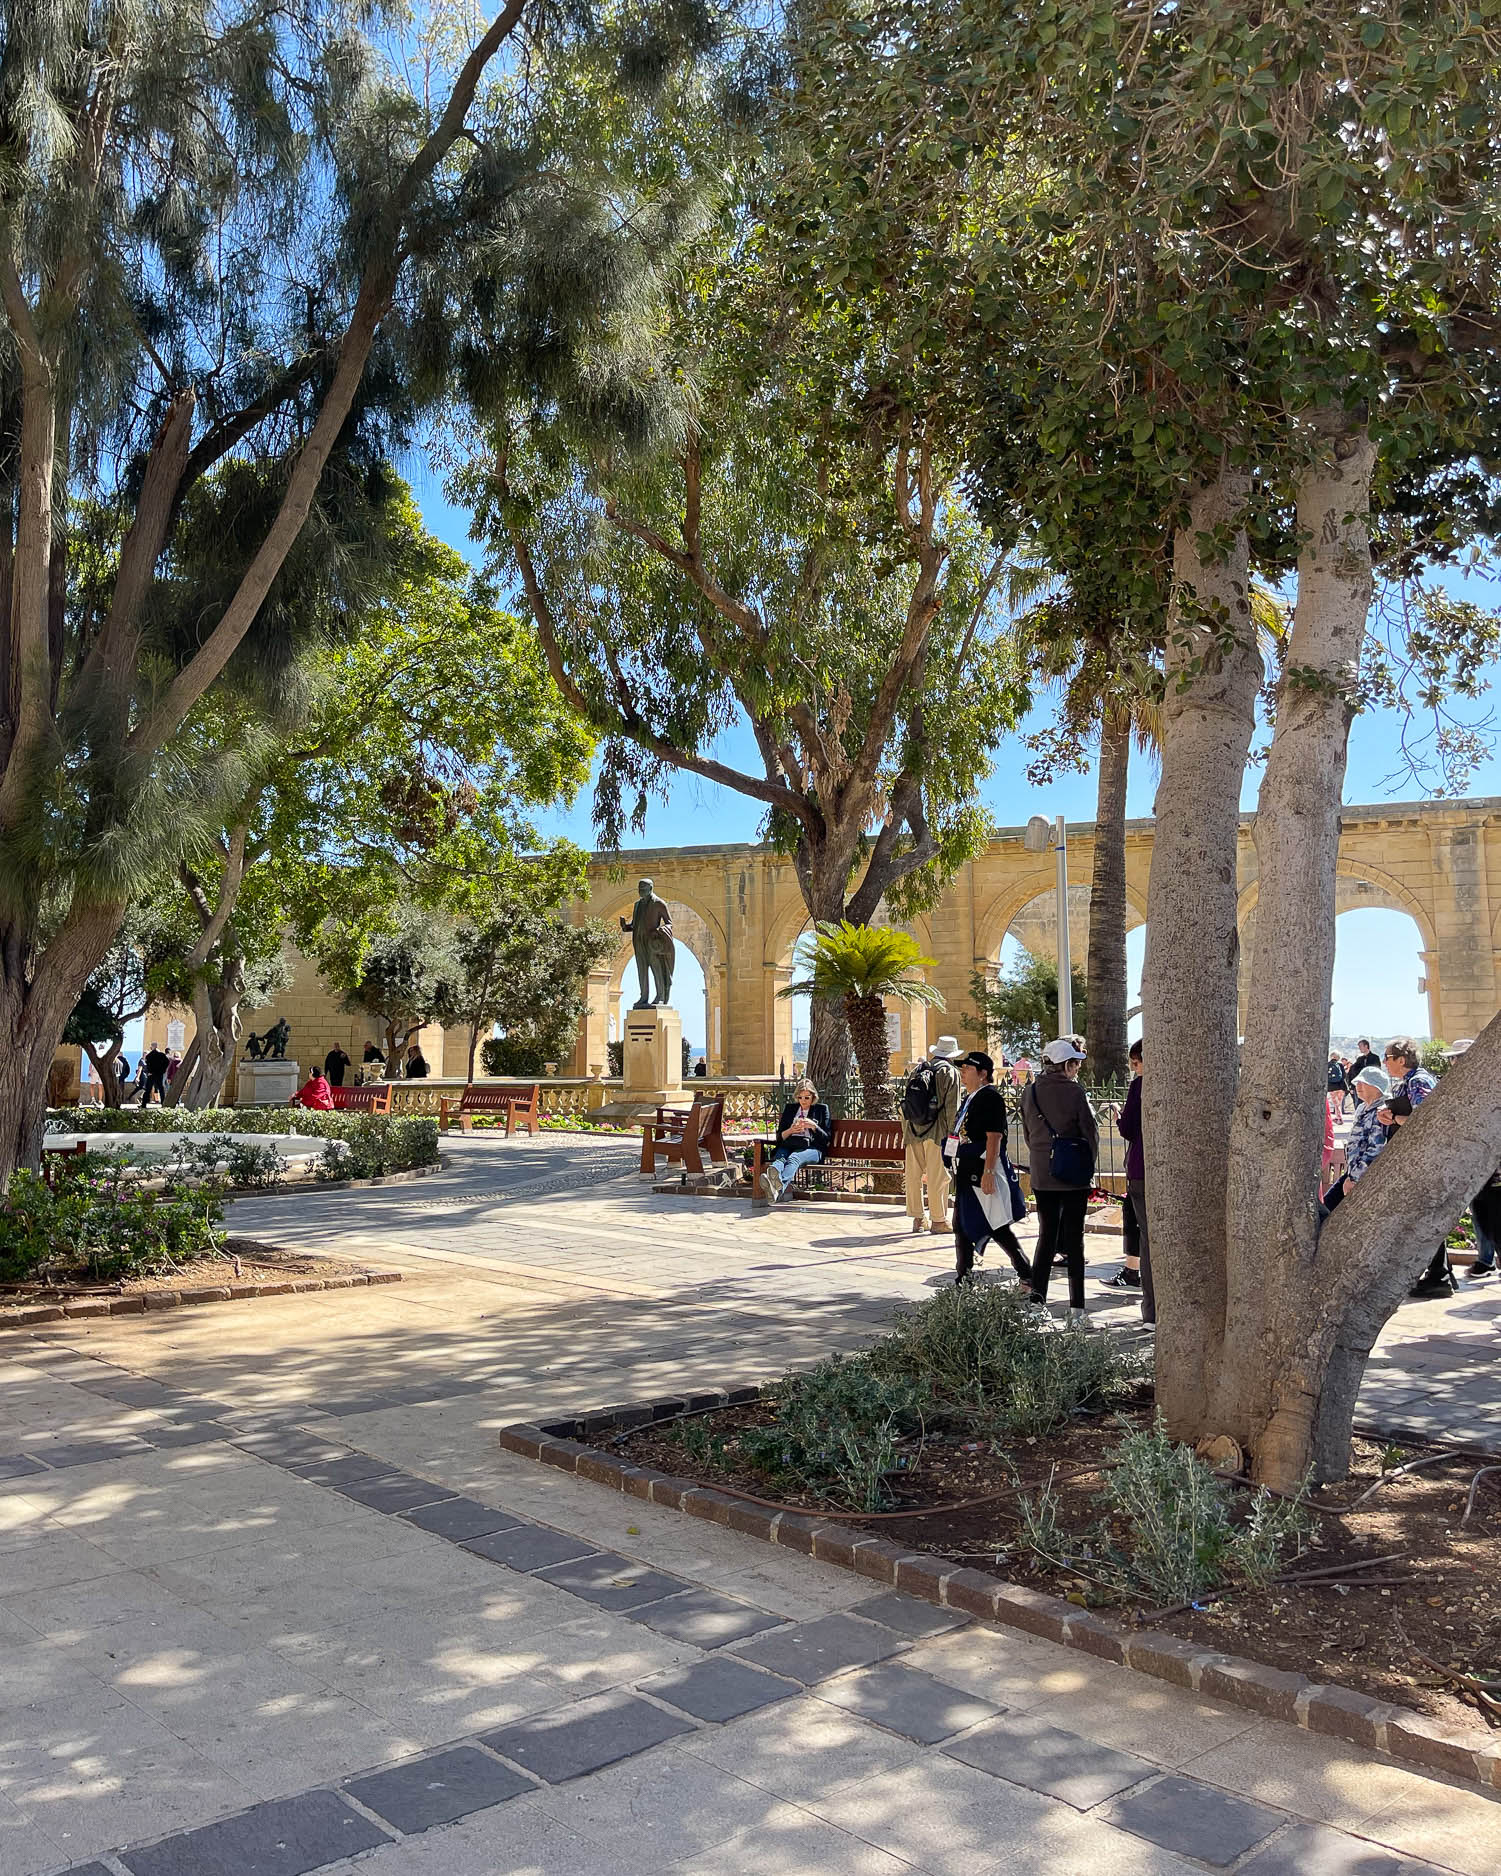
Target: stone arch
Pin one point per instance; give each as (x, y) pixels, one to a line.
(1386, 891)
(1006, 908)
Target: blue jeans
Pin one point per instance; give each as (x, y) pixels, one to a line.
(788, 1160)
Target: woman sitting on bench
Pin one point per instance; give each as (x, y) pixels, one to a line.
(803, 1135)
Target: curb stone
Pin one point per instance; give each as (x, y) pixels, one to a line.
(1316, 1706)
(148, 1301)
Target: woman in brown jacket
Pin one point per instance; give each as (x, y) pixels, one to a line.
(1056, 1114)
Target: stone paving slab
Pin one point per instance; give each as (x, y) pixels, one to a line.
(719, 1689)
(907, 1701)
(595, 1733)
(1184, 1815)
(438, 1790)
(282, 1839)
(812, 1651)
(704, 1618)
(1027, 1751)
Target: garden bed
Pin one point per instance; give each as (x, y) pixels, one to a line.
(1375, 1630)
(245, 1270)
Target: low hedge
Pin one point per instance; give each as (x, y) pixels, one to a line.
(378, 1143)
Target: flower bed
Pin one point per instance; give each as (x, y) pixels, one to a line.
(377, 1143)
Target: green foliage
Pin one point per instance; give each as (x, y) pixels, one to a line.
(1431, 1056)
(522, 967)
(378, 1143)
(986, 1366)
(509, 1055)
(1172, 1529)
(1021, 1008)
(96, 1223)
(849, 960)
(964, 1361)
(838, 1431)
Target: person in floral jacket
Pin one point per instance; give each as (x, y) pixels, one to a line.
(1411, 1086)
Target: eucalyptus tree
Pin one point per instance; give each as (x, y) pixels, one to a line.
(217, 228)
(1251, 251)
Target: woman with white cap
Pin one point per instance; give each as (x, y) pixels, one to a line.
(1064, 1141)
(1367, 1133)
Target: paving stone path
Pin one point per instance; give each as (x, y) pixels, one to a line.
(272, 1599)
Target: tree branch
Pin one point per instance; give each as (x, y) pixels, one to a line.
(377, 286)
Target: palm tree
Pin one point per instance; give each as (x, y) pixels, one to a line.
(860, 966)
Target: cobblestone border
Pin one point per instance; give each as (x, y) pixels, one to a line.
(300, 1188)
(1272, 1692)
(147, 1302)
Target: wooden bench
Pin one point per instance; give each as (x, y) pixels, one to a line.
(853, 1143)
(55, 1158)
(522, 1107)
(376, 1099)
(685, 1139)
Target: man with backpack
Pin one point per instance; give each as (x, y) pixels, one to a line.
(930, 1102)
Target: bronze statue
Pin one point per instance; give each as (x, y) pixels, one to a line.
(253, 1046)
(277, 1037)
(650, 926)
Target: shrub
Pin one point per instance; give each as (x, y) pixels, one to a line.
(95, 1223)
(1173, 1529)
(984, 1363)
(379, 1143)
(837, 1431)
(509, 1055)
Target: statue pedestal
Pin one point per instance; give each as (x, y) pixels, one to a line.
(266, 1084)
(652, 1070)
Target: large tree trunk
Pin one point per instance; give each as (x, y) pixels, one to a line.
(1213, 673)
(1106, 1002)
(1278, 1327)
(38, 990)
(216, 1015)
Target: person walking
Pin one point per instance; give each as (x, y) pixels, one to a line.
(1064, 1143)
(1367, 1058)
(334, 1064)
(1368, 1134)
(153, 1075)
(1485, 1216)
(803, 1135)
(930, 1101)
(1128, 1125)
(985, 1188)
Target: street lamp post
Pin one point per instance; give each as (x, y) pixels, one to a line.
(1037, 839)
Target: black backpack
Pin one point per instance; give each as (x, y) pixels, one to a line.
(921, 1099)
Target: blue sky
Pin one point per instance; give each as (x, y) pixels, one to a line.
(1376, 967)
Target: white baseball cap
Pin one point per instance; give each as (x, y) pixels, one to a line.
(1062, 1051)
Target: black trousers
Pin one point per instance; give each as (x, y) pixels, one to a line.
(1060, 1227)
(972, 1231)
(159, 1082)
(1136, 1204)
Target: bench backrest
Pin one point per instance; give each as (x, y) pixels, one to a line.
(372, 1100)
(487, 1100)
(867, 1140)
(710, 1117)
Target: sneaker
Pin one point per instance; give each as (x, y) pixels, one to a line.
(1076, 1319)
(917, 1224)
(1431, 1287)
(938, 1228)
(771, 1184)
(1480, 1271)
(1124, 1280)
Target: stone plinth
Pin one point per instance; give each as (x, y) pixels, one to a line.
(653, 1066)
(267, 1084)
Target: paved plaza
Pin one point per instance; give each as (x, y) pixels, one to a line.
(272, 1599)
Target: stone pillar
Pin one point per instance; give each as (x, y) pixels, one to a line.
(778, 1018)
(1466, 999)
(653, 1055)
